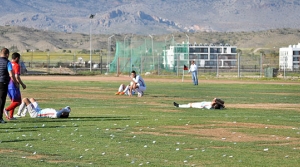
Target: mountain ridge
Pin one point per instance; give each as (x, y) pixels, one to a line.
(150, 17)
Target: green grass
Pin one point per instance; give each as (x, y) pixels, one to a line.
(109, 130)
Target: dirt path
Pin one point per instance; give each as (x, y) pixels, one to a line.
(126, 78)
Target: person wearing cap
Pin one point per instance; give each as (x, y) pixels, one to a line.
(32, 107)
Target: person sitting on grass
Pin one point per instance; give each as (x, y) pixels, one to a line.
(214, 104)
(32, 107)
(138, 85)
(124, 89)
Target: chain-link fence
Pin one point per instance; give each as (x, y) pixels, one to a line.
(248, 65)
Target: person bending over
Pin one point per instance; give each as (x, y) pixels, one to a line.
(32, 107)
(214, 104)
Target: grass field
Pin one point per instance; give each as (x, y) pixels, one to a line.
(259, 127)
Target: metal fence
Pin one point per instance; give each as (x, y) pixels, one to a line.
(254, 66)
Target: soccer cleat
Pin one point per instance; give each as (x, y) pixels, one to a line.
(117, 93)
(121, 93)
(2, 121)
(18, 116)
(140, 94)
(176, 104)
(12, 118)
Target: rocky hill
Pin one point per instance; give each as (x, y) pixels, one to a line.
(22, 39)
(150, 16)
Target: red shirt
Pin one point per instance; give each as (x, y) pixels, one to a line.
(17, 70)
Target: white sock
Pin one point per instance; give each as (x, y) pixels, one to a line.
(184, 106)
(126, 89)
(24, 112)
(120, 88)
(21, 108)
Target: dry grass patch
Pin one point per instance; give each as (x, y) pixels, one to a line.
(225, 131)
(275, 106)
(23, 154)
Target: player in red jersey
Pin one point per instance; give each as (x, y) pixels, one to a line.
(14, 92)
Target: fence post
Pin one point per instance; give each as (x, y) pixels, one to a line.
(158, 64)
(178, 64)
(48, 63)
(239, 73)
(74, 60)
(141, 70)
(101, 64)
(217, 65)
(261, 65)
(118, 61)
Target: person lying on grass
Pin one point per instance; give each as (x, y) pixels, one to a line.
(32, 107)
(214, 104)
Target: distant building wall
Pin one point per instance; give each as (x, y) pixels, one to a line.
(289, 57)
(204, 55)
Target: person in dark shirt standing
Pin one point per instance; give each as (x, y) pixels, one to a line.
(5, 74)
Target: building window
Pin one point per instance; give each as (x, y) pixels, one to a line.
(204, 56)
(296, 53)
(197, 50)
(296, 58)
(213, 50)
(213, 56)
(230, 56)
(186, 56)
(225, 50)
(233, 50)
(210, 63)
(193, 56)
(181, 50)
(194, 50)
(204, 50)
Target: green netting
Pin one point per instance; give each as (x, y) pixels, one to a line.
(148, 56)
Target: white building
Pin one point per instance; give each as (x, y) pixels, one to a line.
(289, 58)
(204, 55)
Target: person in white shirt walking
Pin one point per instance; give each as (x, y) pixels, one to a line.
(194, 70)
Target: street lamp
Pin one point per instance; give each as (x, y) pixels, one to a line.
(152, 49)
(31, 58)
(172, 39)
(164, 59)
(188, 39)
(131, 53)
(91, 17)
(188, 48)
(108, 50)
